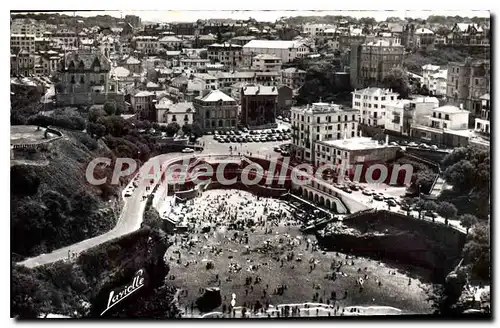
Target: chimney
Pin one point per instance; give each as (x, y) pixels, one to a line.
(461, 106)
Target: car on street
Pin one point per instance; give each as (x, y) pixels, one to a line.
(277, 149)
(188, 150)
(434, 147)
(378, 197)
(391, 202)
(412, 144)
(285, 153)
(367, 192)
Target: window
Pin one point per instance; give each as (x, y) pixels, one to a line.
(383, 98)
(447, 117)
(445, 126)
(369, 105)
(174, 119)
(338, 118)
(352, 134)
(338, 126)
(82, 80)
(375, 106)
(376, 98)
(318, 120)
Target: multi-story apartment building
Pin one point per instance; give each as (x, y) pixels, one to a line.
(49, 60)
(209, 81)
(258, 105)
(371, 104)
(20, 42)
(133, 64)
(316, 29)
(467, 82)
(28, 26)
(482, 123)
(196, 63)
(181, 113)
(373, 61)
(293, 77)
(84, 79)
(65, 39)
(142, 102)
(266, 63)
(435, 79)
(445, 125)
(147, 44)
(401, 114)
(170, 42)
(320, 122)
(227, 79)
(216, 111)
(288, 51)
(227, 54)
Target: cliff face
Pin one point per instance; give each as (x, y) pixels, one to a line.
(391, 236)
(82, 289)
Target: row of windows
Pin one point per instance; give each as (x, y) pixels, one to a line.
(328, 119)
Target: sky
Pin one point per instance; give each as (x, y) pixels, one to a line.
(272, 15)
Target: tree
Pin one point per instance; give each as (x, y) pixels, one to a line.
(447, 210)
(203, 54)
(172, 129)
(96, 130)
(110, 108)
(187, 129)
(419, 205)
(477, 251)
(398, 81)
(467, 220)
(197, 130)
(430, 206)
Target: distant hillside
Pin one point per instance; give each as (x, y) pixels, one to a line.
(52, 204)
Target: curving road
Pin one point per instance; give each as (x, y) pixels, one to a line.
(130, 220)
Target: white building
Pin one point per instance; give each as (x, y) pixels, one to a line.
(197, 63)
(266, 63)
(170, 42)
(230, 55)
(147, 44)
(180, 113)
(20, 42)
(319, 122)
(209, 81)
(286, 50)
(435, 79)
(401, 114)
(482, 123)
(316, 29)
(371, 104)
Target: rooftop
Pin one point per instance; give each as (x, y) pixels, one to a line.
(215, 95)
(132, 61)
(224, 45)
(430, 67)
(322, 107)
(448, 109)
(253, 90)
(144, 94)
(182, 107)
(372, 91)
(120, 72)
(272, 44)
(293, 70)
(358, 143)
(423, 30)
(266, 56)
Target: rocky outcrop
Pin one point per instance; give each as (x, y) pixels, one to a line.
(391, 236)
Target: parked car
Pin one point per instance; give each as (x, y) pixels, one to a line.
(285, 153)
(367, 192)
(277, 149)
(378, 197)
(434, 147)
(188, 150)
(391, 202)
(412, 144)
(346, 189)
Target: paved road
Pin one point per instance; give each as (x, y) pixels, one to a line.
(130, 220)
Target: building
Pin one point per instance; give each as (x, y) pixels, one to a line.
(446, 125)
(320, 122)
(353, 151)
(142, 101)
(482, 123)
(371, 104)
(216, 111)
(196, 63)
(424, 37)
(133, 20)
(288, 51)
(49, 60)
(467, 82)
(316, 29)
(467, 34)
(435, 79)
(258, 105)
(28, 26)
(66, 39)
(83, 79)
(266, 63)
(227, 54)
(181, 113)
(402, 114)
(209, 81)
(147, 44)
(170, 42)
(373, 61)
(285, 100)
(132, 64)
(20, 42)
(227, 79)
(293, 77)
(24, 63)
